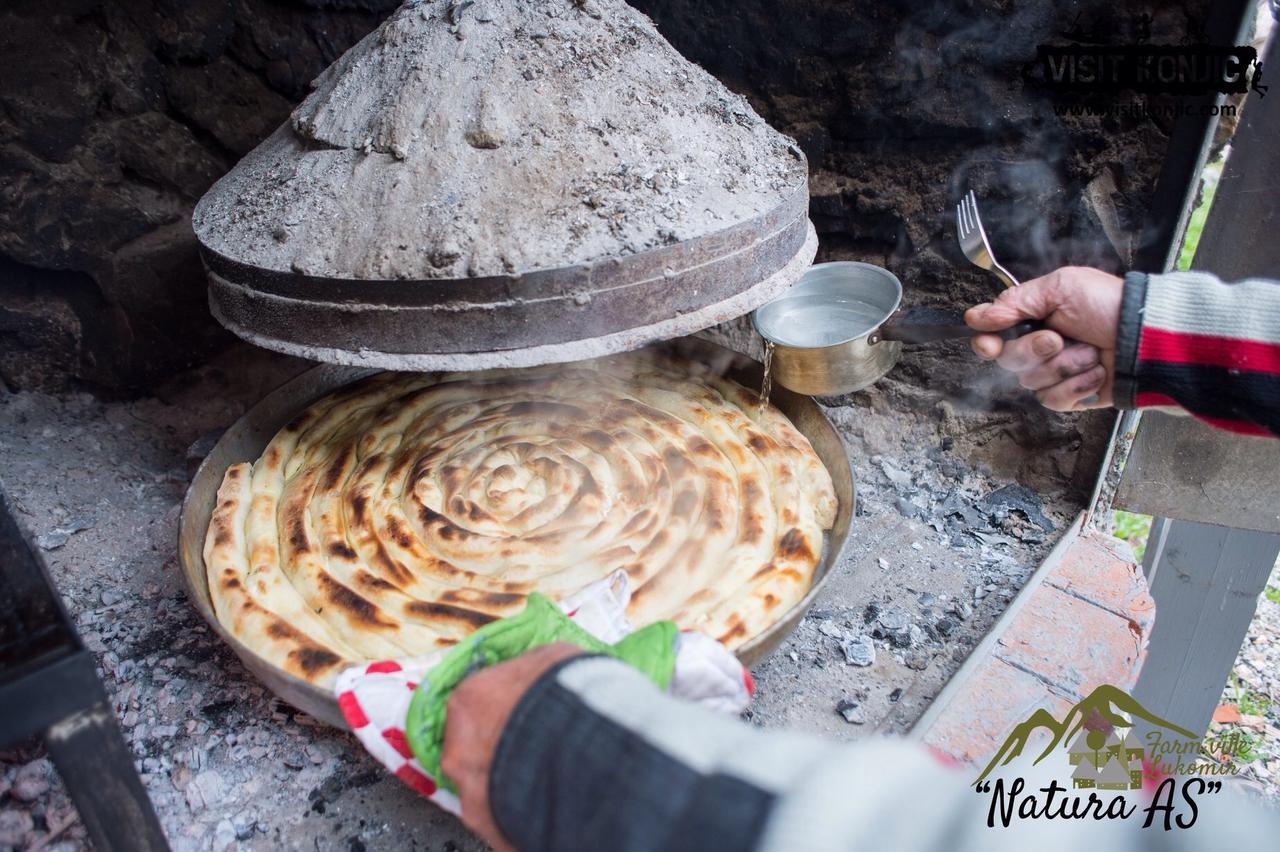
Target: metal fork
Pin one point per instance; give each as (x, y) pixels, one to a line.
(974, 242)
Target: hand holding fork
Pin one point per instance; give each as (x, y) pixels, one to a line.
(1066, 372)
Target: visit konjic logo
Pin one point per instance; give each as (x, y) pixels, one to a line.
(1107, 760)
(1090, 61)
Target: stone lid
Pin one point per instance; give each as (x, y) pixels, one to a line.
(505, 182)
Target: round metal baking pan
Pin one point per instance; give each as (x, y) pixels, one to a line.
(249, 435)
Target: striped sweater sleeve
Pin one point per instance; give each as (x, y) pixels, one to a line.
(1212, 348)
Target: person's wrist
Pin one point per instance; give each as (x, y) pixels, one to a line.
(511, 754)
(479, 712)
(1128, 334)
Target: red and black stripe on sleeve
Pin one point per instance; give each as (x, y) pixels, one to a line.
(1190, 340)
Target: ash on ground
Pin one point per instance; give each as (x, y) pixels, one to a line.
(938, 548)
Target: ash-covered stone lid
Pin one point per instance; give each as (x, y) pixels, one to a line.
(480, 183)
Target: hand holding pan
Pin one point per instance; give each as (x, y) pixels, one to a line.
(840, 328)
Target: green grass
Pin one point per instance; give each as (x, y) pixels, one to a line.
(1249, 702)
(1133, 528)
(1237, 745)
(1272, 593)
(1195, 227)
(1249, 744)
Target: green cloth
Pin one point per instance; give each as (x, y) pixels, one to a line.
(650, 649)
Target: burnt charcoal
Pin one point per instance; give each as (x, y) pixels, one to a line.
(957, 506)
(896, 638)
(991, 538)
(917, 661)
(952, 468)
(900, 479)
(894, 625)
(851, 711)
(15, 826)
(61, 534)
(826, 628)
(915, 635)
(1015, 497)
(860, 651)
(32, 781)
(895, 618)
(244, 826)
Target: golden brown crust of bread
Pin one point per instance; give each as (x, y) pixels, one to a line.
(400, 513)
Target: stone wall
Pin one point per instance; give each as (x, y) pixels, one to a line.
(116, 116)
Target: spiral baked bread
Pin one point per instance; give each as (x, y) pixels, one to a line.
(398, 514)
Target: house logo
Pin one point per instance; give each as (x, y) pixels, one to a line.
(1108, 765)
(1105, 761)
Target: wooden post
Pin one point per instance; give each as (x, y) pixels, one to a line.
(1205, 580)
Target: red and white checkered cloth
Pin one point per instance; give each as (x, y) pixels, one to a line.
(374, 698)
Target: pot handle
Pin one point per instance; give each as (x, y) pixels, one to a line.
(927, 325)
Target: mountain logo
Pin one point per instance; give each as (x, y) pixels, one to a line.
(1104, 759)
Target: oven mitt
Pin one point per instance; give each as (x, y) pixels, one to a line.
(650, 649)
(375, 698)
